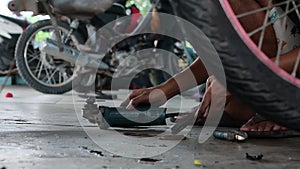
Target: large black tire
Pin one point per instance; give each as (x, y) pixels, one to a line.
(247, 76)
(21, 59)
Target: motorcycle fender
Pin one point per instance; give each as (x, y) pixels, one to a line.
(7, 27)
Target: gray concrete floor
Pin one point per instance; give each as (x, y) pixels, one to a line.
(44, 131)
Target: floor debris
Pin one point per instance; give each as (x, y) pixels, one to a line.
(148, 160)
(94, 152)
(197, 163)
(255, 157)
(230, 135)
(9, 95)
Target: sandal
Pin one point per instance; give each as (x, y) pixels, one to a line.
(270, 134)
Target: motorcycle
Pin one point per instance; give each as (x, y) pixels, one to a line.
(50, 67)
(10, 30)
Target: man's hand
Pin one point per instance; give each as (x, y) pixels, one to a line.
(150, 96)
(215, 92)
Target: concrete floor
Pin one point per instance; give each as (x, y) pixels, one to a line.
(46, 131)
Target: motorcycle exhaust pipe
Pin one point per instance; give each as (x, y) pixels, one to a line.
(72, 55)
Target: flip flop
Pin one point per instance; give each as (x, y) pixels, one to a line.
(189, 119)
(273, 134)
(237, 135)
(270, 134)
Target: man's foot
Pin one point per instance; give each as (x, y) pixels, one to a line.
(264, 125)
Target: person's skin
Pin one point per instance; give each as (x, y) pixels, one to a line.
(236, 109)
(234, 106)
(287, 61)
(254, 21)
(161, 93)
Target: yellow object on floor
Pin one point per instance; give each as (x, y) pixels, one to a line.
(197, 162)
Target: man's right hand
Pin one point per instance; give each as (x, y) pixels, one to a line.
(150, 96)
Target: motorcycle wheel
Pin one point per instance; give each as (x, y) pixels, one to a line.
(43, 72)
(250, 74)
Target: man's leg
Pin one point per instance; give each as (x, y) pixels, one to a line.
(254, 21)
(288, 60)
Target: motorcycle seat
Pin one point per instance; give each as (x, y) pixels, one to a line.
(81, 7)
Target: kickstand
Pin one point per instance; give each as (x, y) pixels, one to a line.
(101, 95)
(98, 93)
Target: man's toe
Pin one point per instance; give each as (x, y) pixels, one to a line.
(268, 126)
(245, 127)
(276, 127)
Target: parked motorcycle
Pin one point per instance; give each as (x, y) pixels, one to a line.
(10, 30)
(51, 68)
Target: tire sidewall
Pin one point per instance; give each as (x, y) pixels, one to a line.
(21, 61)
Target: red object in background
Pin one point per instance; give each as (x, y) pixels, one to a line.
(9, 95)
(135, 17)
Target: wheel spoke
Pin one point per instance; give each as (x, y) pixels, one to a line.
(65, 76)
(262, 35)
(261, 9)
(59, 77)
(44, 79)
(30, 51)
(40, 70)
(53, 74)
(62, 35)
(48, 76)
(297, 9)
(62, 75)
(37, 67)
(33, 57)
(281, 40)
(272, 22)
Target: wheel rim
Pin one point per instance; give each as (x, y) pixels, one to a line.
(43, 68)
(257, 48)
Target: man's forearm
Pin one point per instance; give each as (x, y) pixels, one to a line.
(192, 76)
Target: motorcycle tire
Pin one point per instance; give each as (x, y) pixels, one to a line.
(55, 86)
(256, 81)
